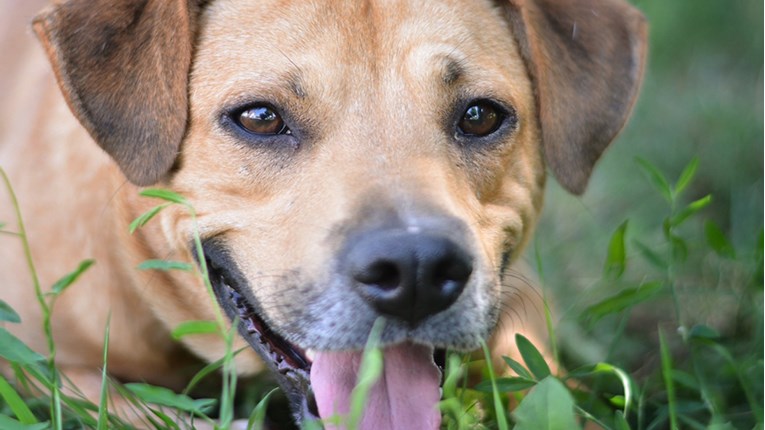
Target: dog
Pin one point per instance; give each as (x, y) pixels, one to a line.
(346, 160)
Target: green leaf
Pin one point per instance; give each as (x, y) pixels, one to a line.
(689, 210)
(623, 300)
(656, 178)
(506, 385)
(703, 334)
(14, 350)
(8, 423)
(7, 313)
(207, 370)
(717, 240)
(549, 406)
(166, 195)
(532, 357)
(620, 423)
(194, 327)
(165, 397)
(679, 248)
(65, 282)
(616, 260)
(686, 176)
(258, 415)
(651, 255)
(16, 403)
(165, 265)
(146, 217)
(518, 368)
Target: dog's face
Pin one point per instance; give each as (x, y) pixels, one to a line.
(356, 160)
(328, 143)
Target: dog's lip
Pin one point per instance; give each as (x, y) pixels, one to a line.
(287, 360)
(291, 362)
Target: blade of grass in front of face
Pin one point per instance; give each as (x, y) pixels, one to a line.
(370, 370)
(16, 403)
(258, 416)
(8, 423)
(499, 406)
(7, 314)
(55, 406)
(103, 401)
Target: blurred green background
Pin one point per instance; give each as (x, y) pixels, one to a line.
(702, 97)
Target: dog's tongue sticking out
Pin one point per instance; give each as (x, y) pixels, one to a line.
(404, 398)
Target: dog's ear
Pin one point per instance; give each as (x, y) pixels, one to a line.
(586, 60)
(123, 67)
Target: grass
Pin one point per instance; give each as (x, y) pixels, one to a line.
(655, 275)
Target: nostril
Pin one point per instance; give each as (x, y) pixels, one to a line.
(384, 275)
(408, 276)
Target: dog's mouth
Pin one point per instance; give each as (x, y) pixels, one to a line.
(411, 372)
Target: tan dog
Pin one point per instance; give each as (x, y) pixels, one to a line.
(347, 160)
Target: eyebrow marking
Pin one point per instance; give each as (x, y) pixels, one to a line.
(295, 84)
(454, 70)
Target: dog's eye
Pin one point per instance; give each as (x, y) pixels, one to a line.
(481, 118)
(262, 120)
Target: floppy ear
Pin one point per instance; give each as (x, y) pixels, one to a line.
(123, 68)
(586, 60)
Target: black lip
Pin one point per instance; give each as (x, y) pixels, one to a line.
(287, 361)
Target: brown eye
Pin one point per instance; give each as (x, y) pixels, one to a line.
(262, 120)
(480, 119)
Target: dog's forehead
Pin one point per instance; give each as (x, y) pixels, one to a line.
(305, 46)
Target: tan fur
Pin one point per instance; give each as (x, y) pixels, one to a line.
(367, 77)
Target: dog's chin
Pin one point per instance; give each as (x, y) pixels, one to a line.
(291, 364)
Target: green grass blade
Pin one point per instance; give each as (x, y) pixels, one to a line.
(167, 195)
(146, 217)
(666, 370)
(689, 172)
(70, 278)
(103, 403)
(194, 327)
(499, 406)
(258, 416)
(8, 423)
(16, 403)
(7, 314)
(689, 210)
(616, 259)
(717, 240)
(14, 350)
(657, 179)
(370, 370)
(165, 265)
(165, 397)
(505, 385)
(625, 299)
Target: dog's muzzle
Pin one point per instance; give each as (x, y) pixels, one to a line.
(404, 276)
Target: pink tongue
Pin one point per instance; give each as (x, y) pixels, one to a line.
(405, 396)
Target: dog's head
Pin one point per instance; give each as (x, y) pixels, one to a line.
(351, 160)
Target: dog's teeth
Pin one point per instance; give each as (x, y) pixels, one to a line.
(310, 354)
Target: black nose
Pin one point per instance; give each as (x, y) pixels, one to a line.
(408, 276)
